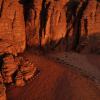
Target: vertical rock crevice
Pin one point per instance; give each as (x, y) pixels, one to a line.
(71, 20)
(77, 25)
(43, 20)
(1, 7)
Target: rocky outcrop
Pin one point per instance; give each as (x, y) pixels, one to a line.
(90, 31)
(27, 70)
(52, 21)
(12, 27)
(15, 70)
(8, 69)
(12, 42)
(47, 23)
(92, 14)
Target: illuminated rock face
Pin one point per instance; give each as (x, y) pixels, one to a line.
(12, 27)
(47, 23)
(92, 13)
(91, 31)
(72, 24)
(51, 21)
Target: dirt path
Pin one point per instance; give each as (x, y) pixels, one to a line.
(55, 82)
(88, 65)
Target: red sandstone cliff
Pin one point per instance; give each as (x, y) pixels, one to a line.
(12, 27)
(63, 24)
(48, 23)
(52, 21)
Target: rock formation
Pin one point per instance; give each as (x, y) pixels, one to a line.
(48, 24)
(44, 25)
(8, 68)
(15, 70)
(2, 89)
(90, 31)
(12, 42)
(12, 27)
(51, 22)
(28, 70)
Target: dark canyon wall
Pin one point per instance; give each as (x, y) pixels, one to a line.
(67, 24)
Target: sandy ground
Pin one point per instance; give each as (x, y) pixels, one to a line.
(55, 82)
(87, 64)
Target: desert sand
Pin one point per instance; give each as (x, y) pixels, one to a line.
(87, 64)
(55, 81)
